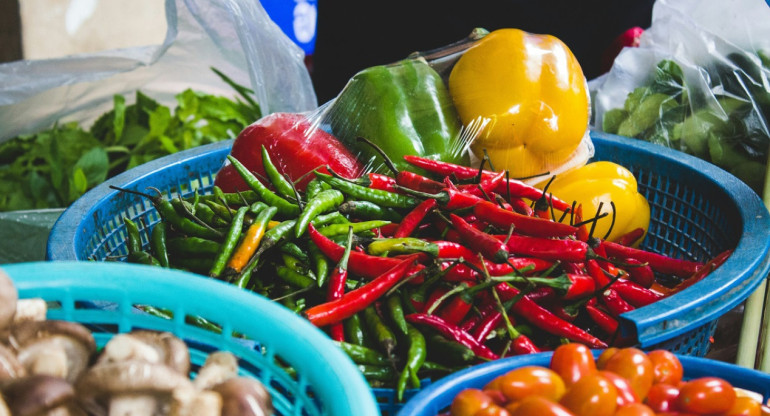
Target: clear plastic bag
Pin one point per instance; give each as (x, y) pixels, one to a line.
(698, 82)
(425, 106)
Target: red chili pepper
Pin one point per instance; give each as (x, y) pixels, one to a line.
(523, 224)
(411, 220)
(704, 271)
(582, 231)
(388, 230)
(444, 168)
(380, 181)
(520, 189)
(641, 273)
(607, 323)
(465, 273)
(546, 248)
(435, 296)
(417, 182)
(358, 299)
(486, 244)
(453, 332)
(336, 289)
(614, 303)
(453, 250)
(450, 197)
(545, 320)
(660, 263)
(580, 286)
(629, 238)
(635, 294)
(485, 188)
(597, 273)
(359, 263)
(456, 310)
(487, 325)
(519, 206)
(524, 345)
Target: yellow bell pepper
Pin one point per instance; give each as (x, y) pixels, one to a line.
(602, 182)
(527, 96)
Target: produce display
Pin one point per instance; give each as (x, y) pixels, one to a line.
(54, 367)
(620, 381)
(54, 167)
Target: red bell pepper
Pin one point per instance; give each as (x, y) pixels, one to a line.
(297, 148)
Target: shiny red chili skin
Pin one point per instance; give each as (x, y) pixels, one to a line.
(486, 244)
(523, 224)
(566, 250)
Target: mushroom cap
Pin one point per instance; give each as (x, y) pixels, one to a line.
(10, 367)
(164, 347)
(33, 338)
(218, 367)
(37, 393)
(244, 396)
(8, 298)
(100, 382)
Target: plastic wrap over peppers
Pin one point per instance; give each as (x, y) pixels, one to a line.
(515, 101)
(699, 82)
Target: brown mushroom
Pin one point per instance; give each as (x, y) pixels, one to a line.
(132, 387)
(41, 395)
(192, 402)
(10, 367)
(34, 309)
(244, 396)
(218, 367)
(151, 346)
(8, 298)
(4, 408)
(53, 347)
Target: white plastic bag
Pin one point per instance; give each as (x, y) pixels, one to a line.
(698, 83)
(235, 36)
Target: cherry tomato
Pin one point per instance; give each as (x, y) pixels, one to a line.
(468, 402)
(626, 394)
(634, 409)
(492, 410)
(497, 396)
(530, 380)
(634, 365)
(539, 406)
(745, 406)
(601, 361)
(706, 395)
(592, 395)
(572, 361)
(666, 367)
(662, 397)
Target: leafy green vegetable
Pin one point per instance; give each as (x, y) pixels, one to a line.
(54, 167)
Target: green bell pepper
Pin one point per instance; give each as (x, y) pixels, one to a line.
(403, 108)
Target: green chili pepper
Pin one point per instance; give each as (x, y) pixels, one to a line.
(232, 199)
(385, 338)
(158, 243)
(229, 244)
(378, 373)
(285, 207)
(358, 227)
(199, 265)
(409, 111)
(133, 238)
(142, 257)
(396, 312)
(415, 357)
(256, 207)
(406, 245)
(333, 217)
(314, 187)
(450, 352)
(279, 182)
(292, 249)
(354, 331)
(362, 355)
(294, 278)
(378, 196)
(320, 264)
(190, 246)
(324, 201)
(296, 264)
(366, 210)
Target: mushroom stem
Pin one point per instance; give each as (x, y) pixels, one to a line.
(123, 347)
(132, 405)
(219, 367)
(191, 402)
(34, 309)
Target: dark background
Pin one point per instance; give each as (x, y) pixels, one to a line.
(355, 34)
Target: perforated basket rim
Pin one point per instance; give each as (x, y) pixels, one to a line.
(703, 302)
(438, 395)
(333, 377)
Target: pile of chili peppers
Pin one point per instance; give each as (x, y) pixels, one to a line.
(417, 276)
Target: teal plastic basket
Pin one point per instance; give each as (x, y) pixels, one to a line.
(697, 211)
(266, 337)
(437, 397)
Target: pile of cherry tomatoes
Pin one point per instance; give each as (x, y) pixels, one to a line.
(619, 382)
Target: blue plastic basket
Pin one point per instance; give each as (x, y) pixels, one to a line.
(437, 397)
(697, 211)
(265, 336)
